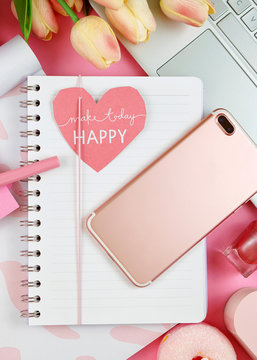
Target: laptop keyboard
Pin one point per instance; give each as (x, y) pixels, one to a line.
(237, 19)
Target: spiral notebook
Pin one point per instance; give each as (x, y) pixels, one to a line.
(173, 106)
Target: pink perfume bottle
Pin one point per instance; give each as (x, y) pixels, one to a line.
(243, 252)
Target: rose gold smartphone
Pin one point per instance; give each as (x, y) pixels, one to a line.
(178, 199)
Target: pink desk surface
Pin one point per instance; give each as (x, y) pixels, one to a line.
(58, 58)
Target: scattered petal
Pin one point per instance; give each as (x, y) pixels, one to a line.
(133, 334)
(3, 132)
(10, 353)
(63, 332)
(13, 276)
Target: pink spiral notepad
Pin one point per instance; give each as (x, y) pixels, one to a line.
(173, 105)
(8, 203)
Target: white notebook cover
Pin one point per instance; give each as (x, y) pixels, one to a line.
(173, 106)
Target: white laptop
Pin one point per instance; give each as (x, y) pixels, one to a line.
(223, 53)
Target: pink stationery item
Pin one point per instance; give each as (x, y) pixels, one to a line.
(240, 317)
(23, 172)
(196, 342)
(108, 126)
(7, 201)
(90, 291)
(243, 252)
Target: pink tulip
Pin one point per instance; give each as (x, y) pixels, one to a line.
(133, 20)
(44, 22)
(77, 5)
(191, 12)
(111, 4)
(95, 41)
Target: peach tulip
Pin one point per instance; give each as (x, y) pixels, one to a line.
(192, 12)
(111, 4)
(133, 20)
(95, 41)
(77, 5)
(44, 22)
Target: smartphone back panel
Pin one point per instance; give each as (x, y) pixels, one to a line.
(177, 200)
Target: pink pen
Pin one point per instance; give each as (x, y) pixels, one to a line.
(23, 172)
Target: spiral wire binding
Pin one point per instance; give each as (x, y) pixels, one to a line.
(27, 193)
(36, 178)
(25, 298)
(35, 238)
(30, 148)
(27, 103)
(30, 133)
(25, 89)
(27, 283)
(35, 268)
(22, 162)
(26, 314)
(25, 208)
(27, 118)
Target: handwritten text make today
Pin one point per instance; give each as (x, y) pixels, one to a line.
(109, 116)
(100, 136)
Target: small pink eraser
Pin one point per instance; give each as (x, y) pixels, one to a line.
(240, 315)
(7, 202)
(195, 341)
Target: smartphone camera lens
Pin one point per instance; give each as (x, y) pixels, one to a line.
(226, 124)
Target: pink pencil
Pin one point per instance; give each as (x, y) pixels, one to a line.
(23, 172)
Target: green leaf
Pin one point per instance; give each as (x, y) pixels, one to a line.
(68, 10)
(86, 7)
(24, 13)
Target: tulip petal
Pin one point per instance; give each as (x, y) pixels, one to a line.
(58, 8)
(133, 20)
(38, 27)
(192, 12)
(111, 4)
(78, 4)
(95, 41)
(73, 4)
(211, 7)
(48, 36)
(142, 11)
(43, 19)
(47, 14)
(103, 38)
(13, 8)
(125, 22)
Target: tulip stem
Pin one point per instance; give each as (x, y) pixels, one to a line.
(68, 10)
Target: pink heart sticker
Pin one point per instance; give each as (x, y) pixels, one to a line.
(107, 126)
